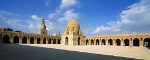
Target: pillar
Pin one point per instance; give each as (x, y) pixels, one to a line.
(28, 40)
(52, 41)
(57, 41)
(114, 42)
(131, 42)
(122, 42)
(20, 40)
(141, 42)
(106, 42)
(35, 40)
(41, 41)
(11, 40)
(99, 42)
(94, 42)
(47, 40)
(88, 42)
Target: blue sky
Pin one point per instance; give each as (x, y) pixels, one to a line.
(96, 17)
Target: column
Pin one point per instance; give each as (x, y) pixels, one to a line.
(131, 42)
(94, 42)
(41, 41)
(28, 40)
(100, 42)
(141, 42)
(106, 42)
(20, 40)
(52, 41)
(35, 40)
(122, 44)
(11, 40)
(57, 41)
(47, 40)
(114, 42)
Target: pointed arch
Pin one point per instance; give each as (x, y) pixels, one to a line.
(32, 40)
(38, 40)
(87, 42)
(97, 42)
(79, 40)
(126, 42)
(66, 41)
(136, 42)
(103, 42)
(147, 42)
(110, 42)
(6, 39)
(24, 40)
(118, 42)
(16, 39)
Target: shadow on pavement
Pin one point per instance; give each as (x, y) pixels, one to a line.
(24, 52)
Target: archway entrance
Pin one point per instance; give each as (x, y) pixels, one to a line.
(103, 41)
(147, 42)
(92, 42)
(16, 39)
(58, 41)
(44, 41)
(6, 39)
(78, 40)
(31, 40)
(126, 42)
(87, 42)
(54, 41)
(24, 40)
(66, 41)
(97, 42)
(118, 42)
(49, 41)
(110, 42)
(136, 42)
(38, 40)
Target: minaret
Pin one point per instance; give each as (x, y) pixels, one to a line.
(59, 33)
(43, 24)
(43, 28)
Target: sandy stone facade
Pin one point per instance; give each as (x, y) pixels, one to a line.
(142, 39)
(73, 36)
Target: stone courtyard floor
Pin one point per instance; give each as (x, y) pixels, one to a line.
(65, 52)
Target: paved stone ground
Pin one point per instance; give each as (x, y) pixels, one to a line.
(64, 52)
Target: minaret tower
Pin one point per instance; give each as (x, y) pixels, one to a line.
(43, 28)
(59, 33)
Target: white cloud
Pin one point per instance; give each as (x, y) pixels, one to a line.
(35, 17)
(101, 28)
(13, 22)
(49, 25)
(35, 24)
(68, 3)
(52, 15)
(134, 19)
(68, 15)
(29, 26)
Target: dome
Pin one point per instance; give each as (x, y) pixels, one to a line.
(72, 28)
(73, 22)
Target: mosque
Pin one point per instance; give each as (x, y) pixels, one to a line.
(72, 36)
